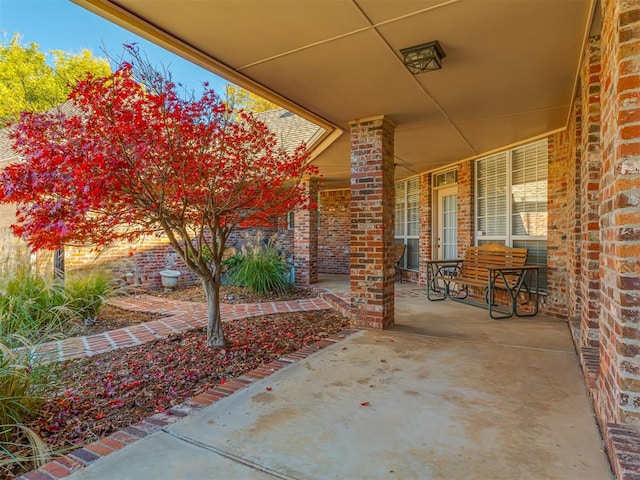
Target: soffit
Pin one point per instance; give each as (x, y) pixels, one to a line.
(509, 72)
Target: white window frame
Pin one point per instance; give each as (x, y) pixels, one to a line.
(509, 238)
(405, 236)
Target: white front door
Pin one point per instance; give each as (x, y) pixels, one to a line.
(447, 231)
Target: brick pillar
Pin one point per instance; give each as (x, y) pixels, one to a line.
(466, 220)
(426, 226)
(305, 238)
(590, 165)
(372, 223)
(618, 397)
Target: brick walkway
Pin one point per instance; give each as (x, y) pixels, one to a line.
(178, 317)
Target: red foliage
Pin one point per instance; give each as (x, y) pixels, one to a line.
(137, 161)
(140, 160)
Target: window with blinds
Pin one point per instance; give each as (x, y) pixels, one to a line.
(407, 226)
(511, 200)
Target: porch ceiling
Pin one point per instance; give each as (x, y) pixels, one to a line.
(509, 72)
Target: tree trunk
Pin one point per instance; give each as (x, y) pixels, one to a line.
(215, 334)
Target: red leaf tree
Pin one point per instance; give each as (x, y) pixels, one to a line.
(138, 160)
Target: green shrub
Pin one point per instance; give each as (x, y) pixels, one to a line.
(32, 307)
(86, 293)
(260, 267)
(22, 383)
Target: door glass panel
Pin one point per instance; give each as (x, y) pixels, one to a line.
(449, 227)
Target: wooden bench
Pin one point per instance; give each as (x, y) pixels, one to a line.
(489, 267)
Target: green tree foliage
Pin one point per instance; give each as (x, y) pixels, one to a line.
(239, 98)
(29, 83)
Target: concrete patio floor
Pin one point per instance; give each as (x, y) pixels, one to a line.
(447, 393)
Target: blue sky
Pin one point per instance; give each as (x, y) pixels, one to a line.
(62, 25)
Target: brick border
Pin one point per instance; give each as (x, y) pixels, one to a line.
(179, 317)
(65, 465)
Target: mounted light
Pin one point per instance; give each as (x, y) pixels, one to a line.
(423, 58)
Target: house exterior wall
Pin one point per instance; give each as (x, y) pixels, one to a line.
(136, 264)
(618, 394)
(590, 165)
(573, 213)
(466, 220)
(139, 264)
(334, 232)
(558, 193)
(305, 238)
(426, 226)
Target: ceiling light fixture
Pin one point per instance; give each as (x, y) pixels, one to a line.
(423, 58)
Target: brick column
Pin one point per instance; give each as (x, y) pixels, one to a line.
(426, 226)
(372, 223)
(305, 239)
(590, 165)
(465, 206)
(618, 397)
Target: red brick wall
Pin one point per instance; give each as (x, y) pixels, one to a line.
(426, 225)
(618, 398)
(334, 235)
(573, 218)
(140, 263)
(305, 239)
(372, 223)
(590, 165)
(560, 157)
(466, 219)
(132, 264)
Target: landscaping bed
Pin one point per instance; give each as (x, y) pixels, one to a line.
(93, 397)
(111, 318)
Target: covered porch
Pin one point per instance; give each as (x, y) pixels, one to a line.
(533, 112)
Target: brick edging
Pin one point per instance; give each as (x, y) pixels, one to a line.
(65, 465)
(623, 447)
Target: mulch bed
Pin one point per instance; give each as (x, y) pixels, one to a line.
(94, 397)
(109, 318)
